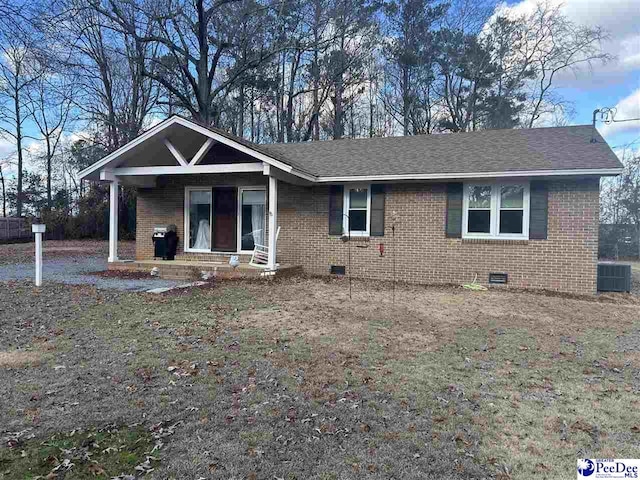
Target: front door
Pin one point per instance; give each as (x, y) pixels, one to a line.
(224, 219)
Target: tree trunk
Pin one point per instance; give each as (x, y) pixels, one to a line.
(282, 117)
(338, 113)
(315, 124)
(371, 107)
(19, 148)
(49, 197)
(241, 98)
(406, 101)
(252, 115)
(202, 67)
(4, 194)
(292, 80)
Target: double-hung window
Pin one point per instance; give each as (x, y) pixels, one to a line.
(357, 207)
(496, 210)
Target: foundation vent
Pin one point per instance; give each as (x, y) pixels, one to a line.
(337, 270)
(498, 278)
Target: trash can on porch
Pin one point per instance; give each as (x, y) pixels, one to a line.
(159, 241)
(171, 241)
(165, 242)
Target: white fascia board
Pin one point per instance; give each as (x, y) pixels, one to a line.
(108, 176)
(303, 175)
(191, 169)
(237, 146)
(203, 131)
(450, 176)
(269, 171)
(125, 148)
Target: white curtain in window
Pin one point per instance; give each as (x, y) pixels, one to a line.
(255, 199)
(203, 237)
(257, 224)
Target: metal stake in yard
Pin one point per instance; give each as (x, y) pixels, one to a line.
(38, 229)
(348, 239)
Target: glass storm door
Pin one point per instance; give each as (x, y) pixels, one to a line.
(200, 220)
(253, 219)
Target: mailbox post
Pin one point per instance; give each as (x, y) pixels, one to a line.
(38, 229)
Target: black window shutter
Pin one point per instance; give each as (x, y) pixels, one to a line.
(454, 210)
(336, 197)
(376, 228)
(538, 210)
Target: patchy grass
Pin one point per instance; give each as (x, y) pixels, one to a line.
(17, 358)
(107, 452)
(293, 380)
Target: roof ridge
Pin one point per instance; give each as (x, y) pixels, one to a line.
(431, 135)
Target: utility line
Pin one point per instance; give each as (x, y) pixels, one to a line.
(624, 120)
(624, 145)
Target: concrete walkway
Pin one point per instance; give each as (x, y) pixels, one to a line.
(76, 271)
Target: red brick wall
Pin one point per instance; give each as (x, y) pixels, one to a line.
(164, 205)
(566, 261)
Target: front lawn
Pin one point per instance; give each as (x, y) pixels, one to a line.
(291, 379)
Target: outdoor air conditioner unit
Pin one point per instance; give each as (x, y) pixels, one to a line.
(614, 277)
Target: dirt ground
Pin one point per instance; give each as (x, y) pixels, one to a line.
(292, 379)
(635, 278)
(13, 253)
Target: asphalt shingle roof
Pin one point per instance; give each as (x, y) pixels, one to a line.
(554, 148)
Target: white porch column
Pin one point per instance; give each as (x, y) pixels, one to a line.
(273, 221)
(113, 220)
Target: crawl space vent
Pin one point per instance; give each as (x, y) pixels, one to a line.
(498, 278)
(338, 270)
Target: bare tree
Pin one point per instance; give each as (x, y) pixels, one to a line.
(626, 194)
(559, 45)
(355, 30)
(51, 100)
(198, 39)
(20, 67)
(466, 73)
(4, 190)
(108, 71)
(410, 53)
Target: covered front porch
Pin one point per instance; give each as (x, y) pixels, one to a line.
(220, 196)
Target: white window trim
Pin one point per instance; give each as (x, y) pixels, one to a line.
(495, 211)
(346, 208)
(209, 188)
(239, 215)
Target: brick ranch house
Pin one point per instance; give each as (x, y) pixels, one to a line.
(431, 208)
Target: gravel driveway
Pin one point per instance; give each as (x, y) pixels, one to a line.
(76, 271)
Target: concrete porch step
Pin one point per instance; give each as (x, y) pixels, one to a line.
(222, 258)
(192, 270)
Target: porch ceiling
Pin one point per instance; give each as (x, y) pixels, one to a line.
(179, 146)
(154, 152)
